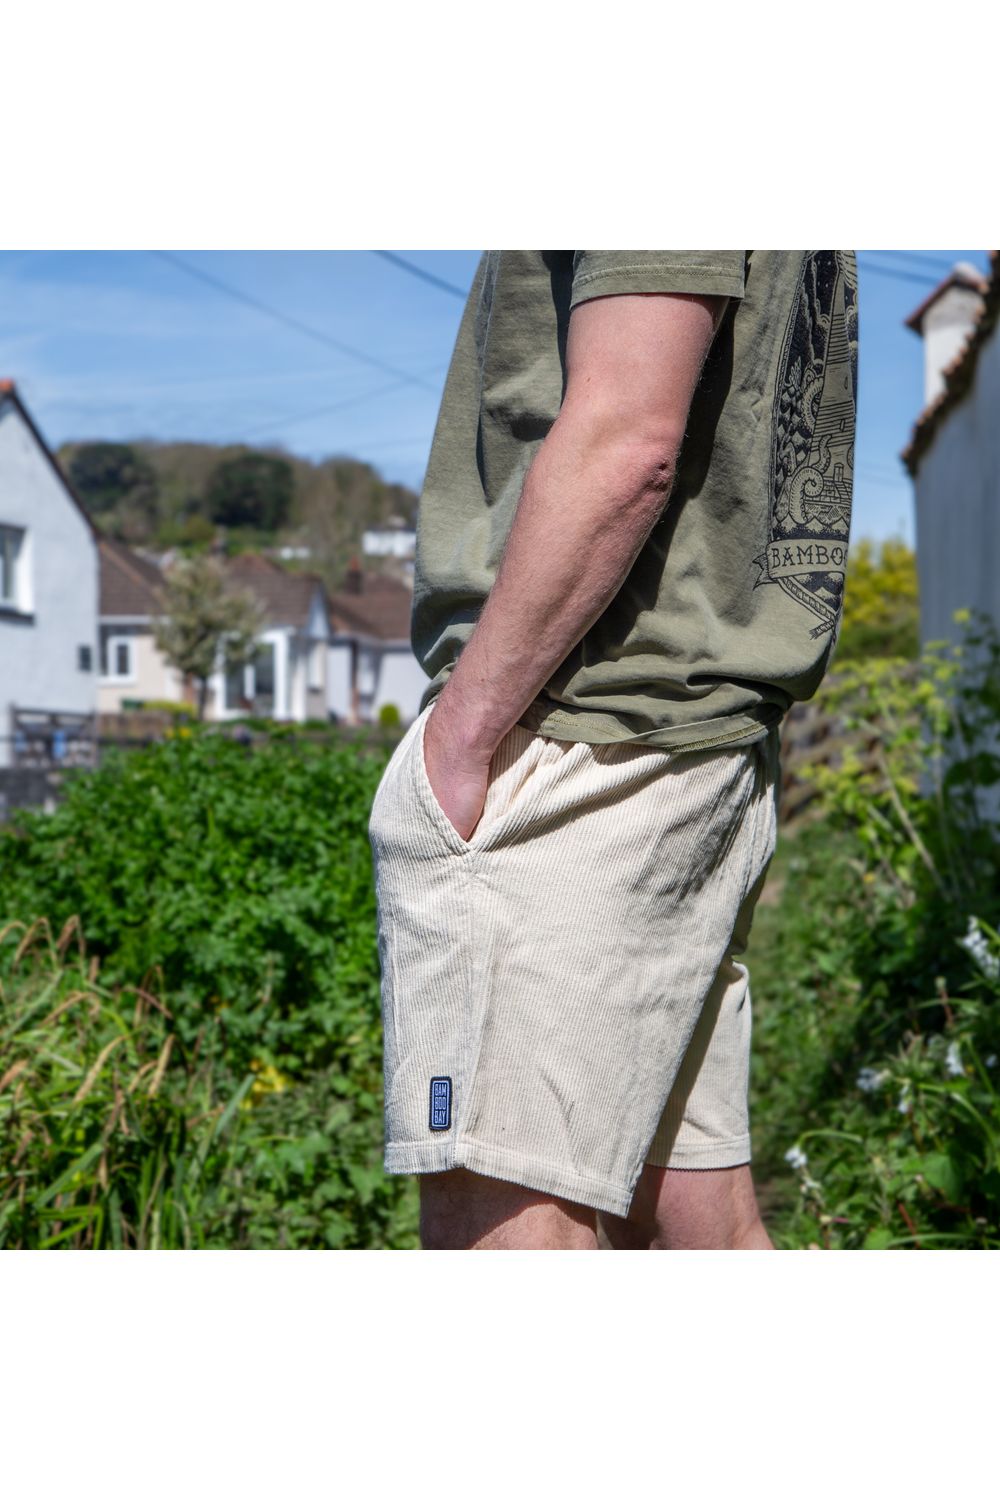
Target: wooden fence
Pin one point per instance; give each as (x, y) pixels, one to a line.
(813, 736)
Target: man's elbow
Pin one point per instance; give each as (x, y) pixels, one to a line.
(640, 468)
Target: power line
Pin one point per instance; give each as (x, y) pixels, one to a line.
(326, 411)
(900, 275)
(407, 265)
(403, 376)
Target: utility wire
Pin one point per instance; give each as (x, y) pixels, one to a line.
(898, 275)
(326, 411)
(408, 265)
(403, 376)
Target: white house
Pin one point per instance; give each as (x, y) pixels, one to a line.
(371, 654)
(48, 585)
(954, 451)
(288, 678)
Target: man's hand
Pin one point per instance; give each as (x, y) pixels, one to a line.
(596, 488)
(458, 773)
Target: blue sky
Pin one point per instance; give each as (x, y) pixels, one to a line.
(121, 344)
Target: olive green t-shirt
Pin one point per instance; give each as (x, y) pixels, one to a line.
(732, 608)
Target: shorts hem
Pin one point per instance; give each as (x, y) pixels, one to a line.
(508, 1166)
(732, 1153)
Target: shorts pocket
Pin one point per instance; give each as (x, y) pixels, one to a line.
(492, 821)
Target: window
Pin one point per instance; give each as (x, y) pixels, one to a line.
(117, 658)
(11, 548)
(263, 672)
(250, 688)
(85, 658)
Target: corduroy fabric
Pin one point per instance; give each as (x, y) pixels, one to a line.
(572, 968)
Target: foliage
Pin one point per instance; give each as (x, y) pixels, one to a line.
(389, 716)
(115, 1135)
(116, 485)
(111, 1136)
(879, 1023)
(253, 489)
(207, 623)
(331, 506)
(239, 875)
(881, 609)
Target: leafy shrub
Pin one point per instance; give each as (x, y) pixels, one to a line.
(240, 877)
(878, 1031)
(881, 609)
(114, 1135)
(389, 716)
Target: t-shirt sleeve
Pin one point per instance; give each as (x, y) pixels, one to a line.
(615, 273)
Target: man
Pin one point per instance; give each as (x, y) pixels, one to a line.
(630, 562)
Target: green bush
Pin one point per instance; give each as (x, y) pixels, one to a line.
(878, 973)
(114, 1135)
(389, 716)
(240, 877)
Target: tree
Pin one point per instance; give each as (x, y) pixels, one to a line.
(206, 623)
(117, 486)
(881, 608)
(253, 489)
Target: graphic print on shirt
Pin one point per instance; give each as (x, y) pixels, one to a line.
(812, 449)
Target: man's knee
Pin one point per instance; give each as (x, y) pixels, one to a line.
(463, 1210)
(672, 1209)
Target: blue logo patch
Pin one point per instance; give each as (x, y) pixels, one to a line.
(440, 1104)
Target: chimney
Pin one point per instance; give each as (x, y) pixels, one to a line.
(944, 321)
(354, 577)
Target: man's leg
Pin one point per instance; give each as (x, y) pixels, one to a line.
(461, 1210)
(714, 1209)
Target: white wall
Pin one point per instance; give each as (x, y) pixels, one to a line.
(400, 680)
(338, 678)
(958, 506)
(385, 674)
(38, 658)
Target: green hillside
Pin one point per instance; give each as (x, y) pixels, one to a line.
(180, 494)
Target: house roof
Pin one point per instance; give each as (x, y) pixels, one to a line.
(287, 597)
(962, 275)
(375, 605)
(958, 376)
(130, 584)
(9, 395)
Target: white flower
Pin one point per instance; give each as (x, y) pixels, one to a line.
(796, 1158)
(869, 1079)
(976, 945)
(953, 1062)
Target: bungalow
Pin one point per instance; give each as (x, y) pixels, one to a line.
(287, 680)
(48, 595)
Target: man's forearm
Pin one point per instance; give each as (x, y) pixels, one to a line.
(588, 504)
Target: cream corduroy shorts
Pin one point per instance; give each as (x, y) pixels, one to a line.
(561, 995)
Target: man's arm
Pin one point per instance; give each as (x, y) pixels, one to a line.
(596, 488)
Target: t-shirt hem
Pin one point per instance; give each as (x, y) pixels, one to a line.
(626, 280)
(732, 730)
